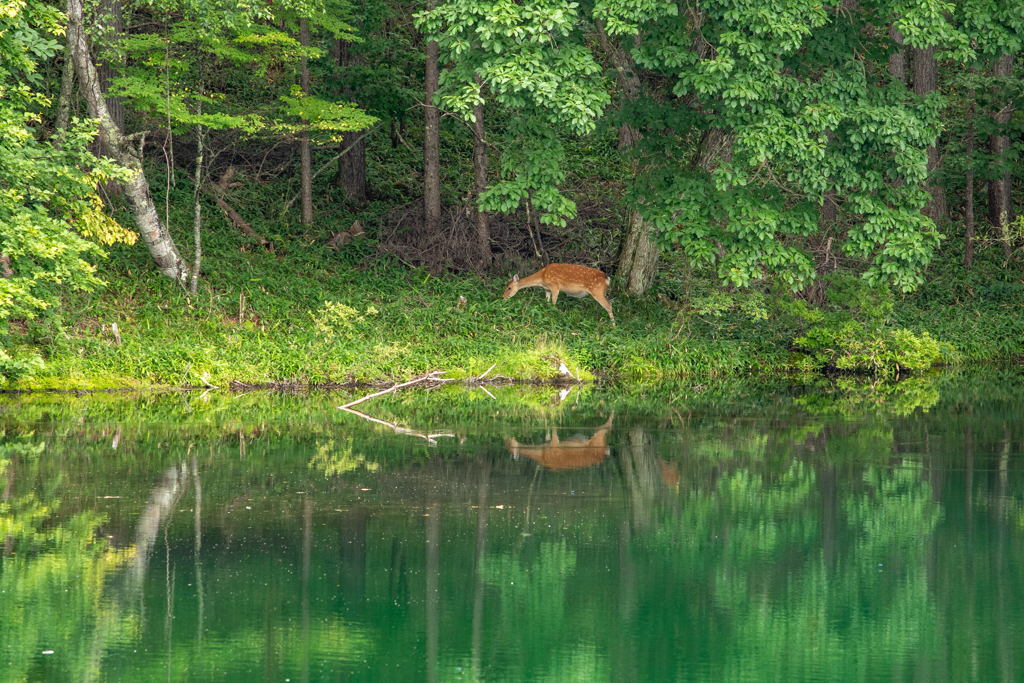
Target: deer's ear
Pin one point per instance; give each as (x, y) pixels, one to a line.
(515, 278)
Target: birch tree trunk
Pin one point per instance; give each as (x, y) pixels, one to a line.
(197, 220)
(121, 147)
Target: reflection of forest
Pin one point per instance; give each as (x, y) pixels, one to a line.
(707, 544)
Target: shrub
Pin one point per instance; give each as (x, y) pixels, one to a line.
(854, 347)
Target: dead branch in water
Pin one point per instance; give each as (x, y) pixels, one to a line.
(431, 438)
(396, 387)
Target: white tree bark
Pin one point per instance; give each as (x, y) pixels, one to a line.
(122, 148)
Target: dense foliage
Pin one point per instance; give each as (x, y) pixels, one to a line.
(775, 155)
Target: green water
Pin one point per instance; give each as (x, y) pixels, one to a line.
(834, 530)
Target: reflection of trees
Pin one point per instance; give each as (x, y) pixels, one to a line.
(479, 554)
(51, 575)
(162, 498)
(432, 541)
(644, 474)
(717, 542)
(753, 558)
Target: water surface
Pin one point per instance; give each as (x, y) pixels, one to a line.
(827, 531)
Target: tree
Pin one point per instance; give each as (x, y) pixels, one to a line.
(969, 189)
(997, 33)
(123, 149)
(107, 35)
(431, 144)
(1000, 211)
(483, 229)
(926, 82)
(52, 222)
(759, 119)
(352, 165)
(766, 89)
(531, 62)
(307, 160)
(638, 253)
(181, 55)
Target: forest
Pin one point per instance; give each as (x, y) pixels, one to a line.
(322, 192)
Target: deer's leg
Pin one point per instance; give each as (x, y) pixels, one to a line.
(600, 298)
(554, 295)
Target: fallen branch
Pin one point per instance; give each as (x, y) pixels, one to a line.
(396, 388)
(431, 438)
(235, 219)
(485, 373)
(398, 134)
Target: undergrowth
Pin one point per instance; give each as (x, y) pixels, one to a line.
(303, 313)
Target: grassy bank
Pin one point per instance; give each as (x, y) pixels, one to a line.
(309, 314)
(283, 319)
(318, 317)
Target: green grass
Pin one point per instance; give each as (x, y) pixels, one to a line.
(402, 322)
(390, 322)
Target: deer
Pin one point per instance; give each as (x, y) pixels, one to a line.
(576, 451)
(577, 281)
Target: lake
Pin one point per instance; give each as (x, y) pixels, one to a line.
(801, 529)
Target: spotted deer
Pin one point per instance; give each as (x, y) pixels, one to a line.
(577, 281)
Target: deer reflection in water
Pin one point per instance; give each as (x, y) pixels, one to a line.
(576, 451)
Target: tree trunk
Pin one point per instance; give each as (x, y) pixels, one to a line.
(111, 25)
(926, 81)
(999, 207)
(197, 223)
(67, 85)
(483, 228)
(352, 165)
(431, 145)
(827, 214)
(307, 159)
(969, 190)
(638, 255)
(140, 201)
(638, 260)
(197, 206)
(715, 144)
(897, 68)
